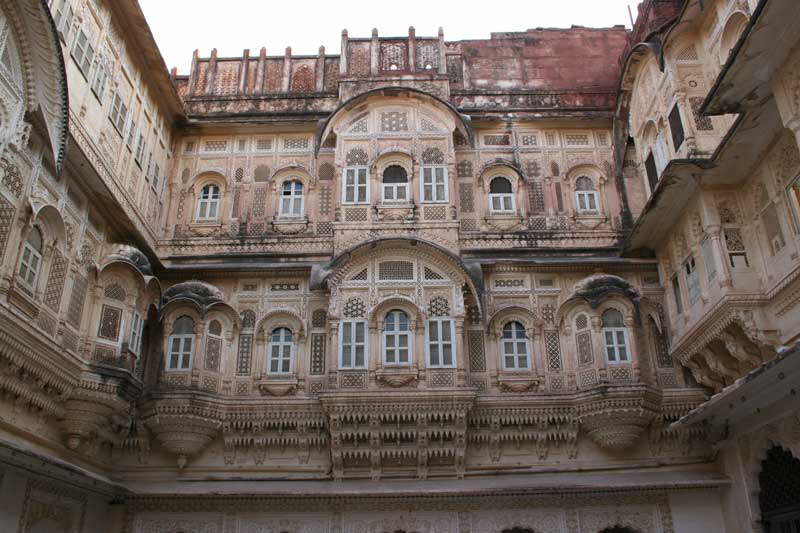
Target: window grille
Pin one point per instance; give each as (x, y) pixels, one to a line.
(395, 271)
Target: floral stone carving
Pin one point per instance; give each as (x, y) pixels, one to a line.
(183, 428)
(616, 417)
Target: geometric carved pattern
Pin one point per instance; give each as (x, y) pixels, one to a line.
(392, 121)
(317, 354)
(244, 355)
(584, 342)
(465, 197)
(620, 373)
(6, 218)
(324, 201)
(435, 212)
(662, 351)
(497, 140)
(733, 240)
(259, 201)
(354, 380)
(553, 346)
(326, 172)
(432, 156)
(395, 270)
(11, 177)
(213, 351)
(477, 356)
(587, 378)
(110, 319)
(548, 313)
(55, 282)
(536, 197)
(319, 318)
(441, 379)
(303, 80)
(469, 224)
(431, 274)
(393, 55)
(701, 122)
(355, 215)
(439, 306)
(248, 318)
(354, 308)
(115, 292)
(76, 301)
(427, 55)
(464, 169)
(356, 156)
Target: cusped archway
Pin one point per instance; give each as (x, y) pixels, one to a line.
(352, 112)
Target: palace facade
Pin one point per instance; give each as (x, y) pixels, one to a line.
(542, 282)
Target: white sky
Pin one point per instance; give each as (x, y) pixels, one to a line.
(181, 26)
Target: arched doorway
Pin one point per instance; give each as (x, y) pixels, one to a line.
(780, 491)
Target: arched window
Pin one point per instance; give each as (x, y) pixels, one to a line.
(515, 347)
(31, 260)
(292, 199)
(208, 203)
(280, 351)
(181, 344)
(501, 196)
(779, 498)
(585, 196)
(395, 184)
(615, 336)
(396, 339)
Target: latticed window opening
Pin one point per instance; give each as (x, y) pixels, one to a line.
(115, 292)
(439, 306)
(553, 347)
(395, 271)
(432, 274)
(360, 276)
(354, 308)
(319, 318)
(394, 56)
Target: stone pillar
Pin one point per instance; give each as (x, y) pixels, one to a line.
(724, 267)
(262, 64)
(193, 74)
(211, 73)
(412, 49)
(442, 53)
(374, 53)
(462, 357)
(343, 55)
(287, 69)
(320, 70)
(243, 68)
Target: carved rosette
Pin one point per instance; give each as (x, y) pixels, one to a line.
(183, 429)
(92, 412)
(616, 418)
